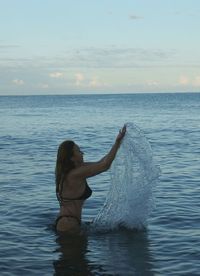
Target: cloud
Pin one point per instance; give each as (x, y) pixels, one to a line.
(152, 83)
(184, 80)
(44, 86)
(93, 57)
(196, 81)
(135, 17)
(117, 57)
(8, 46)
(79, 78)
(96, 83)
(186, 13)
(89, 81)
(18, 82)
(192, 81)
(56, 75)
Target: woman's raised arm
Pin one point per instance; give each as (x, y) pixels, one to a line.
(94, 168)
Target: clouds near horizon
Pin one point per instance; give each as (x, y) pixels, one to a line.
(99, 47)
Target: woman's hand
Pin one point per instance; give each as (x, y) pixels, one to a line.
(121, 134)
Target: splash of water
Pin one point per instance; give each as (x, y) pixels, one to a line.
(133, 176)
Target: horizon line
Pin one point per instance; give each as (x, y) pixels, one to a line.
(98, 94)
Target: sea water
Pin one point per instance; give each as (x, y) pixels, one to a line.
(32, 127)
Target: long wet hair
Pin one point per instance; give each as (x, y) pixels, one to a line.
(64, 164)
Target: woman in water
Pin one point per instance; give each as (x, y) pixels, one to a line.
(71, 186)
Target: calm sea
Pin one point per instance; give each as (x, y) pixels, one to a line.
(32, 127)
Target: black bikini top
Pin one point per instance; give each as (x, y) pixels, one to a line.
(86, 194)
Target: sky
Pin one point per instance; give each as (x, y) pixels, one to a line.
(99, 46)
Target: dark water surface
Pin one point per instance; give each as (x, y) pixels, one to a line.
(31, 129)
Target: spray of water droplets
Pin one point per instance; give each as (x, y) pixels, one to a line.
(133, 175)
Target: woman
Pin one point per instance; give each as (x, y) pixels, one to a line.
(71, 186)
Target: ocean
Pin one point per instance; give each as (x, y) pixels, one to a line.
(32, 127)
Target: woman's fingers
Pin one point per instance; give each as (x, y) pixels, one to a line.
(123, 130)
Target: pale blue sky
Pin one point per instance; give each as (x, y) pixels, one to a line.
(99, 46)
